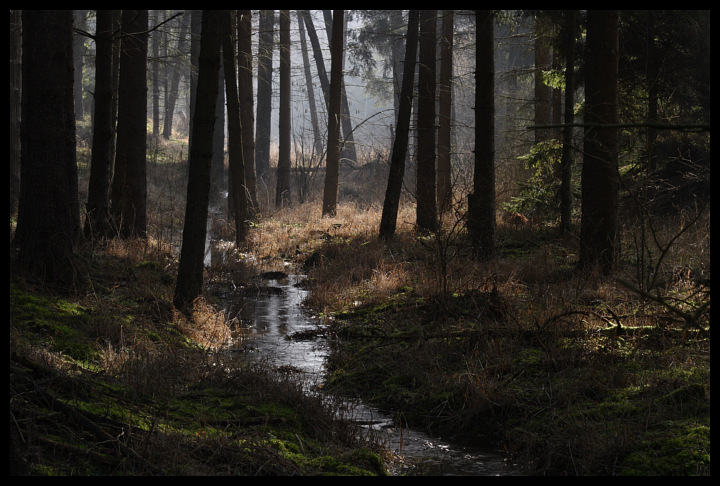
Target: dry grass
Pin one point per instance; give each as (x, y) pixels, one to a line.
(525, 349)
(115, 381)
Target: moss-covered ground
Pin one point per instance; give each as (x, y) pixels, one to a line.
(114, 381)
(572, 374)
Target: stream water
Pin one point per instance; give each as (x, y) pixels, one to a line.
(271, 319)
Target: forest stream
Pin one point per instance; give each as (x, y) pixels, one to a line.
(268, 325)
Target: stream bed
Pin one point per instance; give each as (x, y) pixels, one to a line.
(274, 316)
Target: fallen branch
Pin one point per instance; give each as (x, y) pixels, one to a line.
(690, 318)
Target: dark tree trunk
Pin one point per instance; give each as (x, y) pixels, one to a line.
(48, 215)
(426, 217)
(566, 162)
(15, 100)
(195, 28)
(598, 232)
(388, 222)
(652, 79)
(329, 207)
(97, 222)
(79, 21)
(266, 36)
(172, 90)
(317, 54)
(129, 203)
(348, 151)
(557, 112)
(156, 36)
(444, 189)
(245, 95)
(317, 137)
(190, 270)
(481, 203)
(398, 54)
(236, 152)
(282, 188)
(117, 50)
(218, 183)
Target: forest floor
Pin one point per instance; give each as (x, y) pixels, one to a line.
(571, 372)
(112, 380)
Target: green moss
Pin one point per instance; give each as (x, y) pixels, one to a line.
(58, 321)
(333, 466)
(356, 463)
(274, 409)
(153, 270)
(671, 449)
(530, 357)
(686, 395)
(149, 265)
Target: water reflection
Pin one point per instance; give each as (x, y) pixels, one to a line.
(272, 317)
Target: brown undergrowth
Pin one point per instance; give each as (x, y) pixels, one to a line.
(572, 372)
(112, 380)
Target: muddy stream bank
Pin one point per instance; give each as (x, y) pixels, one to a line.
(275, 328)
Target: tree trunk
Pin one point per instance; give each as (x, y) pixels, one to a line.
(266, 36)
(97, 222)
(426, 157)
(190, 270)
(15, 101)
(155, 63)
(569, 117)
(348, 145)
(236, 153)
(481, 203)
(48, 215)
(245, 95)
(557, 112)
(282, 190)
(398, 54)
(79, 22)
(172, 90)
(218, 183)
(652, 79)
(348, 151)
(444, 183)
(129, 204)
(117, 49)
(329, 207)
(317, 137)
(391, 204)
(598, 232)
(195, 28)
(317, 54)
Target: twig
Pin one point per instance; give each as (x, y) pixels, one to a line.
(703, 127)
(690, 318)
